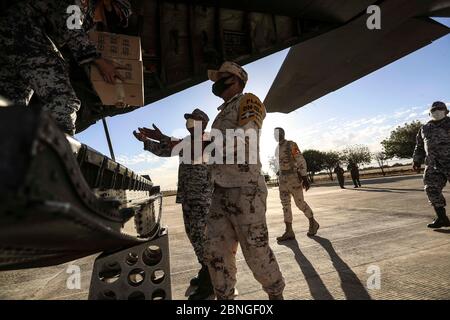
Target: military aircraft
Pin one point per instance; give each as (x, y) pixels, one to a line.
(61, 200)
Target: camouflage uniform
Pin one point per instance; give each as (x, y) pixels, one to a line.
(237, 213)
(292, 164)
(340, 176)
(194, 192)
(30, 34)
(433, 148)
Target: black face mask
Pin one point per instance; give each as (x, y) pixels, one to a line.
(220, 86)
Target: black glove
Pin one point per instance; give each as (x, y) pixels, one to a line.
(304, 180)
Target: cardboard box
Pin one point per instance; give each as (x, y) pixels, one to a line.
(119, 94)
(117, 46)
(125, 51)
(130, 70)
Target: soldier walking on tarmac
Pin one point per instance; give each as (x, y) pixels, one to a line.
(293, 179)
(433, 149)
(194, 187)
(238, 210)
(339, 171)
(354, 172)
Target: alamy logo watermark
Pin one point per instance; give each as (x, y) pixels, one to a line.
(74, 279)
(233, 146)
(374, 20)
(374, 280)
(75, 20)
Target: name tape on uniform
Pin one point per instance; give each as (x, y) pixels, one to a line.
(251, 109)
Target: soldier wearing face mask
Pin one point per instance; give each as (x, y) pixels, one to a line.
(293, 179)
(433, 149)
(194, 188)
(238, 209)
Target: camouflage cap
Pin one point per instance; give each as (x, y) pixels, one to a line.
(438, 105)
(198, 115)
(228, 67)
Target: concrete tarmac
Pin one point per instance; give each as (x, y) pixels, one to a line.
(373, 243)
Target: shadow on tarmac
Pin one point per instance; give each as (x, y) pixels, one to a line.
(365, 189)
(350, 284)
(378, 180)
(316, 286)
(391, 190)
(447, 231)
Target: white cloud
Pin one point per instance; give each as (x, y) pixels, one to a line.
(165, 175)
(143, 157)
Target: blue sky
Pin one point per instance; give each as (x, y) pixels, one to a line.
(363, 112)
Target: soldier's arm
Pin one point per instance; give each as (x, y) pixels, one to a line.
(156, 148)
(156, 142)
(251, 116)
(76, 39)
(163, 148)
(83, 50)
(299, 160)
(419, 150)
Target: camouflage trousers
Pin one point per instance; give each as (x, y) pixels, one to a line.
(291, 185)
(194, 215)
(238, 216)
(435, 181)
(31, 64)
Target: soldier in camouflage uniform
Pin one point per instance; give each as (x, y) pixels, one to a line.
(339, 171)
(238, 210)
(194, 190)
(31, 34)
(292, 179)
(433, 149)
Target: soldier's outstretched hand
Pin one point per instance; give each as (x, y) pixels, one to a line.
(139, 136)
(154, 134)
(416, 166)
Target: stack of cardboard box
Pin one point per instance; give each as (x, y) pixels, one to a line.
(124, 51)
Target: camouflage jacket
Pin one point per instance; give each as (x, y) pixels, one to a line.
(194, 180)
(52, 17)
(433, 145)
(243, 111)
(339, 171)
(290, 158)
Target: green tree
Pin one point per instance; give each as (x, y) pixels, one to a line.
(330, 160)
(274, 165)
(314, 161)
(402, 141)
(358, 154)
(381, 158)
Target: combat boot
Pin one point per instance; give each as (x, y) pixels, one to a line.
(441, 220)
(195, 280)
(205, 288)
(276, 297)
(313, 227)
(288, 234)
